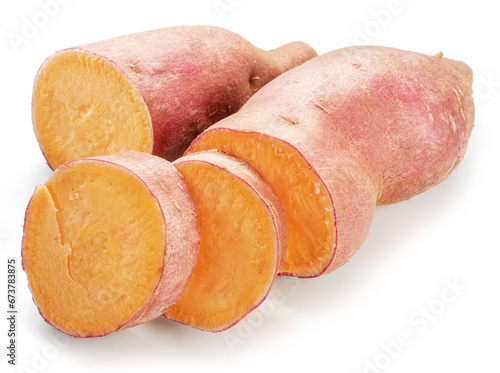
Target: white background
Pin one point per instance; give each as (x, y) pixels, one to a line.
(341, 322)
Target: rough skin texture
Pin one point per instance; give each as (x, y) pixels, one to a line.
(188, 77)
(376, 125)
(109, 243)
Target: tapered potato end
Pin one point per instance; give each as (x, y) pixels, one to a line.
(97, 247)
(84, 106)
(243, 241)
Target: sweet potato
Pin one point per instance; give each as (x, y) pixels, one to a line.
(343, 132)
(152, 91)
(243, 241)
(109, 242)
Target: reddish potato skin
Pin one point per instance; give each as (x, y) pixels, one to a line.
(193, 76)
(388, 123)
(405, 117)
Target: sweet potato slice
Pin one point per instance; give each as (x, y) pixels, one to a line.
(243, 240)
(152, 91)
(109, 243)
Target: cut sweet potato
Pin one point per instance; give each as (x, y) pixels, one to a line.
(152, 91)
(243, 240)
(109, 243)
(313, 197)
(343, 132)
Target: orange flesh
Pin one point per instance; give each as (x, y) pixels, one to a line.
(236, 265)
(93, 247)
(308, 207)
(84, 106)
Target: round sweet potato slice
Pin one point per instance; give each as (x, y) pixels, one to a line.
(243, 241)
(109, 243)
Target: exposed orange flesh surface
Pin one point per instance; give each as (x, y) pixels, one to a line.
(308, 208)
(93, 247)
(84, 106)
(236, 265)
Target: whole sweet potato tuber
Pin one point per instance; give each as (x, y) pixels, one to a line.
(343, 132)
(109, 242)
(153, 91)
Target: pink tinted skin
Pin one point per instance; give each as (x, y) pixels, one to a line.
(193, 76)
(389, 124)
(403, 116)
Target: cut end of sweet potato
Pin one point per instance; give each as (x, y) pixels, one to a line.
(306, 200)
(84, 106)
(95, 248)
(243, 241)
